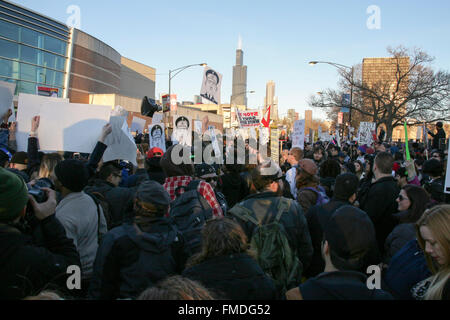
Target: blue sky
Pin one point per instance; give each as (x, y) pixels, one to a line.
(279, 38)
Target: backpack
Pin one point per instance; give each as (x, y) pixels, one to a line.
(274, 253)
(189, 213)
(100, 200)
(322, 197)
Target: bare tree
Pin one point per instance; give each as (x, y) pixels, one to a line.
(413, 92)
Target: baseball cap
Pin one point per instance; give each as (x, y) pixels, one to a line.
(155, 152)
(351, 237)
(309, 166)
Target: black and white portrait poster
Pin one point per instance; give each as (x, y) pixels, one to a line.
(211, 83)
(182, 130)
(156, 136)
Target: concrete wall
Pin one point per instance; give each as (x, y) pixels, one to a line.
(136, 79)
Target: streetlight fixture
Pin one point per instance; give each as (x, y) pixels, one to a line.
(178, 70)
(343, 68)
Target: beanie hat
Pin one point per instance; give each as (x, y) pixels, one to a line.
(308, 165)
(72, 174)
(351, 237)
(345, 186)
(13, 195)
(155, 152)
(154, 197)
(363, 148)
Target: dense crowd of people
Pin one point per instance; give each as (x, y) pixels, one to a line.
(306, 228)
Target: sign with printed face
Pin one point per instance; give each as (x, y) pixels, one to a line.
(298, 136)
(156, 136)
(182, 130)
(248, 118)
(210, 91)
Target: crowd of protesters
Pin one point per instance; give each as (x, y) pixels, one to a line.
(307, 228)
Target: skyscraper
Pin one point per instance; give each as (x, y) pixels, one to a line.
(271, 100)
(239, 94)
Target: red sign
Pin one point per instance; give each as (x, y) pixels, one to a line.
(340, 117)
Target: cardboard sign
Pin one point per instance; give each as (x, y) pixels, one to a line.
(249, 118)
(71, 126)
(156, 136)
(28, 107)
(298, 136)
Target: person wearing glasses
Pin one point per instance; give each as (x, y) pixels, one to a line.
(412, 202)
(208, 174)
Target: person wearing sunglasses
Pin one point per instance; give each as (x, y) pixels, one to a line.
(208, 174)
(412, 202)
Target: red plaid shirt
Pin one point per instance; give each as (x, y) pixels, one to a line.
(204, 188)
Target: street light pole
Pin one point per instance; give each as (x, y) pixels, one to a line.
(343, 68)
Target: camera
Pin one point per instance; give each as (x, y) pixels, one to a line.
(149, 107)
(36, 190)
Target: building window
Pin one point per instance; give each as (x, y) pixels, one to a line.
(30, 37)
(9, 49)
(9, 30)
(54, 45)
(28, 54)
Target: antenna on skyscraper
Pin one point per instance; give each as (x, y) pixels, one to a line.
(239, 43)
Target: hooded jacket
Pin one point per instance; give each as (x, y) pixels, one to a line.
(130, 260)
(27, 267)
(341, 285)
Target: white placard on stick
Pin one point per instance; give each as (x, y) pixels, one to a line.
(138, 124)
(264, 135)
(156, 136)
(298, 136)
(157, 117)
(6, 96)
(29, 106)
(182, 130)
(120, 142)
(71, 126)
(365, 133)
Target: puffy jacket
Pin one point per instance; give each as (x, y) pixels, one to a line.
(130, 260)
(264, 206)
(27, 267)
(234, 277)
(402, 234)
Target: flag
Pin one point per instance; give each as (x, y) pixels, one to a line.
(266, 118)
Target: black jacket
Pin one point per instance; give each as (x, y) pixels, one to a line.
(264, 206)
(317, 217)
(379, 203)
(154, 170)
(438, 139)
(120, 200)
(341, 285)
(233, 277)
(233, 188)
(26, 267)
(129, 261)
(401, 235)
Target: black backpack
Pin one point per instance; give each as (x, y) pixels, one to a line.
(189, 213)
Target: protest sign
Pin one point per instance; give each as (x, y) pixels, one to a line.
(319, 133)
(120, 142)
(157, 118)
(298, 136)
(71, 126)
(138, 124)
(264, 135)
(6, 96)
(215, 144)
(182, 130)
(248, 118)
(198, 127)
(156, 136)
(365, 133)
(211, 84)
(275, 145)
(252, 133)
(29, 105)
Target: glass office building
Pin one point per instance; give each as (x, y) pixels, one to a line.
(33, 49)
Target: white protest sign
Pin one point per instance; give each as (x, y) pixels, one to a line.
(30, 106)
(243, 133)
(198, 127)
(249, 118)
(298, 136)
(215, 144)
(338, 138)
(275, 145)
(71, 126)
(157, 118)
(138, 124)
(418, 133)
(120, 142)
(6, 97)
(319, 133)
(264, 135)
(365, 133)
(156, 136)
(252, 133)
(447, 176)
(182, 130)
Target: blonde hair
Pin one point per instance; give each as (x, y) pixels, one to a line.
(48, 164)
(437, 220)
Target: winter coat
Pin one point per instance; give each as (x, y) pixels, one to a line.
(264, 206)
(402, 234)
(154, 170)
(233, 188)
(120, 200)
(130, 260)
(438, 139)
(233, 277)
(380, 205)
(28, 267)
(341, 285)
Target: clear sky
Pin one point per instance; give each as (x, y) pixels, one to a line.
(279, 38)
